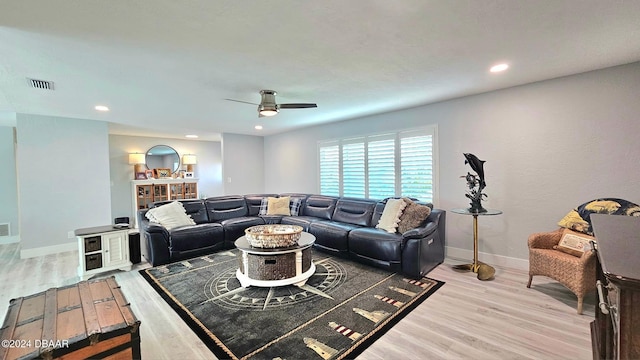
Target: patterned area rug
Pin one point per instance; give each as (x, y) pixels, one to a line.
(343, 308)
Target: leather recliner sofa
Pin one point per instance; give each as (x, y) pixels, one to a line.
(342, 226)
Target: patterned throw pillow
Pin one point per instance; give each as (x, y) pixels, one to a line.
(579, 219)
(263, 206)
(574, 243)
(294, 206)
(413, 216)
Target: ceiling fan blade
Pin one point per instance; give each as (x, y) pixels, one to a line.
(240, 101)
(297, 106)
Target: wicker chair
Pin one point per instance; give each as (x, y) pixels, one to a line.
(578, 274)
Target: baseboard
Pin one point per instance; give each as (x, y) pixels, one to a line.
(48, 250)
(458, 254)
(9, 239)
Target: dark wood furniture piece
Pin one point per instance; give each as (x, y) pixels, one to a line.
(87, 320)
(615, 333)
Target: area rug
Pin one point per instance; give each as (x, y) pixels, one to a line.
(343, 308)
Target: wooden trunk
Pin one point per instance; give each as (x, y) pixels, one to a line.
(90, 319)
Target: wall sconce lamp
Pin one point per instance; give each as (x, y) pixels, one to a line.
(137, 160)
(189, 160)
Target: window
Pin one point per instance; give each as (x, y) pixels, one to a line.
(379, 166)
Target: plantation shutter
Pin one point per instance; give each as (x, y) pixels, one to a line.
(416, 165)
(353, 168)
(330, 169)
(381, 166)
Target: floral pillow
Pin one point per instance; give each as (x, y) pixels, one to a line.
(579, 219)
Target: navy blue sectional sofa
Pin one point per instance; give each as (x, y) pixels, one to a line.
(342, 226)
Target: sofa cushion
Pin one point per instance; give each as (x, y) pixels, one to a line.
(413, 215)
(234, 228)
(226, 207)
(170, 215)
(376, 244)
(304, 221)
(354, 211)
(331, 235)
(391, 215)
(320, 206)
(194, 237)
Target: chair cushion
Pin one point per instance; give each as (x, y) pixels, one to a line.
(579, 219)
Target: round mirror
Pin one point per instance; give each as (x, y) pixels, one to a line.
(162, 157)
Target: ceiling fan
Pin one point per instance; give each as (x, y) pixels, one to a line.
(268, 106)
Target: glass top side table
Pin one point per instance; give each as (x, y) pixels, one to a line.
(484, 271)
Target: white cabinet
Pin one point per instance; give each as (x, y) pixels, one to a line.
(102, 249)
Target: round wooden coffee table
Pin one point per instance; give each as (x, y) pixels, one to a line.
(275, 267)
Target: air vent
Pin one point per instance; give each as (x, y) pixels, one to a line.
(4, 230)
(41, 84)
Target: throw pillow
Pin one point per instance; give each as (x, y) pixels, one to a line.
(391, 215)
(294, 206)
(278, 206)
(579, 219)
(170, 215)
(413, 216)
(263, 206)
(574, 243)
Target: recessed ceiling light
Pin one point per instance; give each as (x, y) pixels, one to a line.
(258, 127)
(101, 108)
(499, 68)
(191, 136)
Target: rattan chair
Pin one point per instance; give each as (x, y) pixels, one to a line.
(578, 274)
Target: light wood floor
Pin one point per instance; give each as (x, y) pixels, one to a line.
(465, 319)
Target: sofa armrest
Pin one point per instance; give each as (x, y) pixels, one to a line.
(423, 247)
(421, 232)
(155, 240)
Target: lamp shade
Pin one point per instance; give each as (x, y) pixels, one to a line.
(137, 158)
(189, 159)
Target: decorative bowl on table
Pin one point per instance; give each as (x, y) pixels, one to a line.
(273, 235)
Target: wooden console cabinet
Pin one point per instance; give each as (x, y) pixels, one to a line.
(615, 333)
(146, 192)
(101, 249)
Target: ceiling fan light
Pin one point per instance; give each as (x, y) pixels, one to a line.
(267, 110)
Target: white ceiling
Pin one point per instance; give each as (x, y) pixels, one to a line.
(164, 67)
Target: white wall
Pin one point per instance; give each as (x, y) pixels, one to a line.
(8, 184)
(208, 170)
(548, 146)
(63, 180)
(243, 164)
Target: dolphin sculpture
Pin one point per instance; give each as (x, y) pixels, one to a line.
(477, 165)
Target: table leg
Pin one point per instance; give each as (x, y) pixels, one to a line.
(484, 271)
